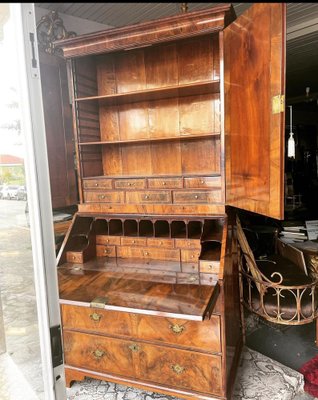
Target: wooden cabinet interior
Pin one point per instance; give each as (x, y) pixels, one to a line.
(148, 270)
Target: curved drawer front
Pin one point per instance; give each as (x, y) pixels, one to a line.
(204, 335)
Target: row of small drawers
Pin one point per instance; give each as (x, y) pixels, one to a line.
(137, 197)
(189, 257)
(207, 182)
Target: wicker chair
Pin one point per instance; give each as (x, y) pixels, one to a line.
(275, 288)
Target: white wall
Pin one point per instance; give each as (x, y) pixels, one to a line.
(75, 24)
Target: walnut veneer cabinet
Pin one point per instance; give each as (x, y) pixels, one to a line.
(173, 121)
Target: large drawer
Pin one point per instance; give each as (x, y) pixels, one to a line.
(153, 363)
(201, 335)
(203, 182)
(98, 353)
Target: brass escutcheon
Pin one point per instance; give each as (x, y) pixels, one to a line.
(98, 353)
(177, 369)
(177, 329)
(95, 317)
(134, 347)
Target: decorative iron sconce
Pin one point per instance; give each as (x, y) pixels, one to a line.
(49, 29)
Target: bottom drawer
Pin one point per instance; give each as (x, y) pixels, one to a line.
(181, 369)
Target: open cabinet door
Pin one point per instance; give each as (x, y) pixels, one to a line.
(254, 81)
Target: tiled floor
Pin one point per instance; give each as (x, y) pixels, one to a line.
(20, 367)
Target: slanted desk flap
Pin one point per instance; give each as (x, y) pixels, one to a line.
(141, 296)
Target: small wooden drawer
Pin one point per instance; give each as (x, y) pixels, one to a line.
(133, 241)
(211, 267)
(107, 240)
(148, 197)
(181, 197)
(75, 257)
(188, 243)
(105, 251)
(190, 255)
(148, 253)
(181, 369)
(166, 243)
(187, 278)
(203, 182)
(165, 183)
(209, 279)
(129, 184)
(190, 267)
(97, 183)
(103, 197)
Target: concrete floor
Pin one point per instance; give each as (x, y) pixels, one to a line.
(20, 366)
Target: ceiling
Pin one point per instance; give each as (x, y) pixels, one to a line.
(302, 30)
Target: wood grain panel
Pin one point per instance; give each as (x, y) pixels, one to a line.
(105, 251)
(156, 242)
(148, 197)
(136, 159)
(166, 158)
(148, 253)
(130, 71)
(103, 197)
(162, 183)
(106, 239)
(254, 134)
(112, 160)
(161, 66)
(133, 241)
(203, 182)
(163, 117)
(212, 196)
(133, 120)
(91, 162)
(188, 243)
(97, 184)
(109, 123)
(200, 156)
(129, 183)
(195, 60)
(106, 76)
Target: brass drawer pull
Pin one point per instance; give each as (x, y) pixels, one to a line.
(164, 183)
(146, 253)
(96, 184)
(102, 196)
(146, 197)
(95, 317)
(107, 251)
(177, 329)
(202, 181)
(98, 353)
(196, 196)
(134, 347)
(177, 369)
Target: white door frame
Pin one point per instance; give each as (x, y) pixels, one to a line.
(39, 200)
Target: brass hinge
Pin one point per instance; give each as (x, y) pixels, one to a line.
(99, 302)
(278, 104)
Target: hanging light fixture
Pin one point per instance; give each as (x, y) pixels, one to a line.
(291, 140)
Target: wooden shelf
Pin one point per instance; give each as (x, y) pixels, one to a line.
(160, 139)
(189, 89)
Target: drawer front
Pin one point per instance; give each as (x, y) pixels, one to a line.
(165, 183)
(103, 197)
(105, 251)
(203, 335)
(148, 197)
(166, 243)
(181, 368)
(98, 353)
(74, 257)
(190, 267)
(129, 184)
(196, 197)
(148, 253)
(97, 184)
(211, 267)
(133, 241)
(188, 243)
(92, 320)
(203, 182)
(104, 239)
(190, 255)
